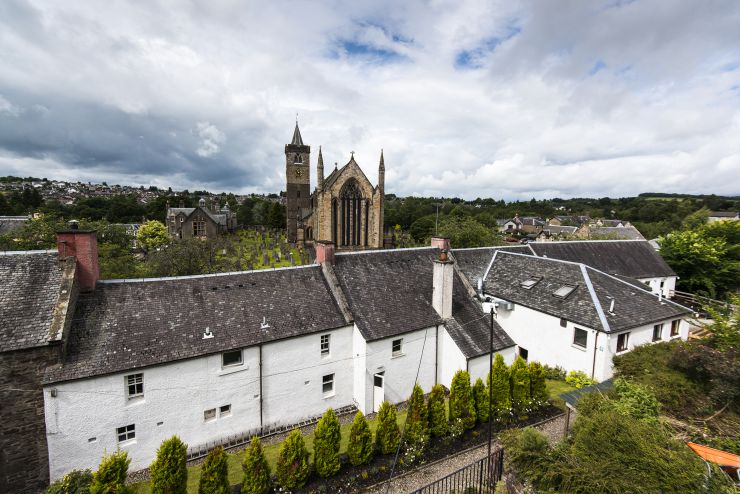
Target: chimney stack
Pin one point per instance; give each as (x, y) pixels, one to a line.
(324, 252)
(83, 246)
(442, 284)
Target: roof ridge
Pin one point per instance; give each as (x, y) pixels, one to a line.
(120, 281)
(544, 258)
(26, 252)
(374, 251)
(595, 299)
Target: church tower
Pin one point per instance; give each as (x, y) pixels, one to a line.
(298, 177)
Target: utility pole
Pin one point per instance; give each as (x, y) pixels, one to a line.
(436, 219)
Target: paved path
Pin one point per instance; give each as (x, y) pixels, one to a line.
(434, 471)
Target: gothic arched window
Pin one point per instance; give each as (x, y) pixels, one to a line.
(350, 221)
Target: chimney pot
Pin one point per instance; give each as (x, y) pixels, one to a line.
(74, 225)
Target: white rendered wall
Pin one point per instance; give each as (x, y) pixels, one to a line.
(546, 341)
(292, 372)
(400, 371)
(175, 397)
(669, 285)
(479, 366)
(449, 358)
(359, 349)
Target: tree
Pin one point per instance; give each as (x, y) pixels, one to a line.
(256, 469)
(169, 472)
(437, 412)
(480, 395)
(537, 384)
(360, 447)
(111, 475)
(326, 445)
(153, 234)
(499, 381)
(75, 482)
(387, 435)
(462, 405)
(465, 232)
(520, 397)
(636, 401)
(292, 464)
(214, 477)
(417, 426)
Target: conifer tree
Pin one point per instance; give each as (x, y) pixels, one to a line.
(292, 464)
(111, 475)
(417, 426)
(537, 386)
(360, 447)
(499, 381)
(437, 413)
(256, 469)
(520, 397)
(326, 445)
(462, 405)
(480, 395)
(214, 477)
(387, 435)
(169, 472)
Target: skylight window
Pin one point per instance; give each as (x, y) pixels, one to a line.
(530, 282)
(564, 291)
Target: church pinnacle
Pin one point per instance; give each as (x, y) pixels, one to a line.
(320, 172)
(297, 139)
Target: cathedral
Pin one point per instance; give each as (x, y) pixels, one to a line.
(344, 208)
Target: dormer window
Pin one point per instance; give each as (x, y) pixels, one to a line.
(529, 283)
(564, 291)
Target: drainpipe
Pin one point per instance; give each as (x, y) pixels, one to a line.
(261, 401)
(436, 357)
(596, 342)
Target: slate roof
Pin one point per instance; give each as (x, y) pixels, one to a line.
(723, 214)
(572, 397)
(297, 139)
(29, 292)
(557, 229)
(388, 292)
(473, 263)
(636, 259)
(128, 325)
(218, 218)
(623, 232)
(12, 223)
(634, 306)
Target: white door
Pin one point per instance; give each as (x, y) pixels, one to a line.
(378, 392)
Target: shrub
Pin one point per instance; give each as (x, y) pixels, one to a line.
(556, 373)
(520, 397)
(360, 447)
(75, 482)
(480, 395)
(326, 445)
(292, 463)
(214, 477)
(636, 401)
(169, 472)
(111, 475)
(579, 379)
(499, 381)
(387, 435)
(462, 405)
(256, 469)
(436, 411)
(417, 426)
(537, 384)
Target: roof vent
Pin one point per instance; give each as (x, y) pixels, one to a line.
(263, 324)
(207, 334)
(611, 307)
(564, 291)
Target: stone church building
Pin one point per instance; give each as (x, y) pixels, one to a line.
(344, 208)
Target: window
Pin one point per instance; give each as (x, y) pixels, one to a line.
(209, 414)
(675, 326)
(397, 348)
(622, 342)
(325, 345)
(657, 332)
(229, 359)
(327, 385)
(563, 323)
(529, 283)
(135, 386)
(523, 353)
(224, 410)
(126, 433)
(564, 291)
(199, 228)
(580, 337)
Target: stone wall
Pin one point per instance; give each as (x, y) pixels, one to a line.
(24, 457)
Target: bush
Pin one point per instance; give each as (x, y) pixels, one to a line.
(326, 445)
(75, 482)
(169, 472)
(537, 384)
(292, 464)
(417, 426)
(111, 475)
(636, 401)
(360, 447)
(526, 449)
(556, 373)
(579, 379)
(462, 405)
(256, 469)
(499, 381)
(387, 436)
(214, 477)
(437, 412)
(520, 397)
(480, 395)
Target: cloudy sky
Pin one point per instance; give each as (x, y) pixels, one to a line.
(470, 99)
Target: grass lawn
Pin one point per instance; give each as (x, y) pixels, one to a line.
(271, 452)
(555, 389)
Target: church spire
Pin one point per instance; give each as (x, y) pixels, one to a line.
(381, 172)
(297, 139)
(320, 172)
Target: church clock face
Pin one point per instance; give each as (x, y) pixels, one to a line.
(298, 173)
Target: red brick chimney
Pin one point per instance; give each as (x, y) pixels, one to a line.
(83, 246)
(442, 243)
(324, 252)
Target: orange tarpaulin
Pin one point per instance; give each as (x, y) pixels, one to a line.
(721, 458)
